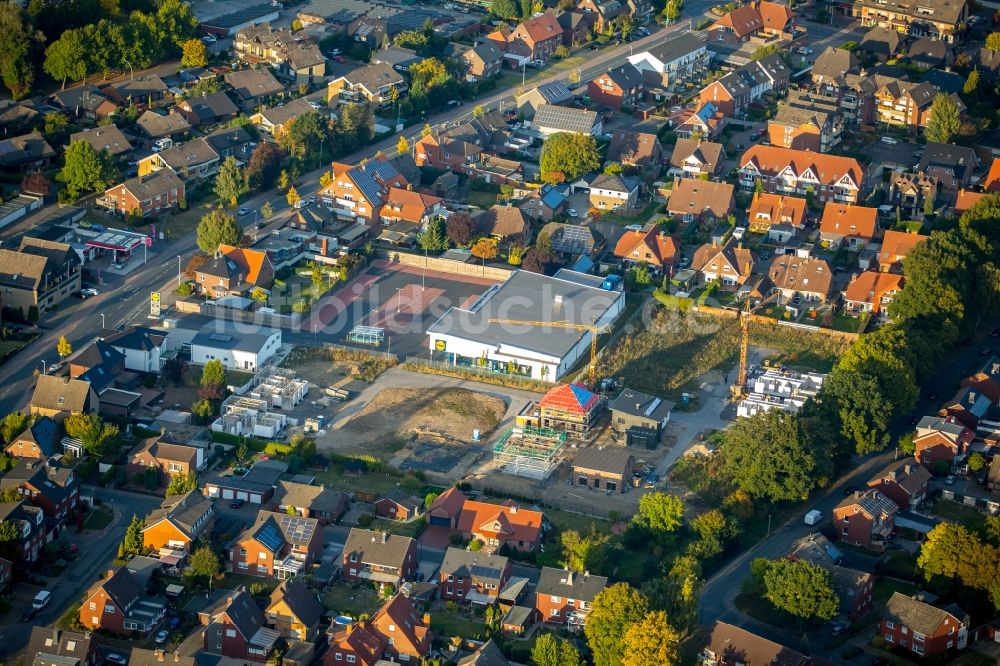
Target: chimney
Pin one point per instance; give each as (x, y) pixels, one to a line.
(427, 618)
(908, 468)
(177, 655)
(513, 509)
(159, 654)
(385, 537)
(972, 397)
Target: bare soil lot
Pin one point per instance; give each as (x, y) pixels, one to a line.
(396, 415)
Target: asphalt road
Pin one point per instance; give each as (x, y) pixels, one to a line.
(721, 589)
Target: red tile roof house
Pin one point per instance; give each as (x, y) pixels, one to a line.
(277, 545)
(397, 505)
(405, 205)
(496, 525)
(52, 647)
(731, 264)
(359, 192)
(395, 633)
(536, 39)
(895, 246)
(788, 171)
(926, 630)
(52, 488)
(728, 645)
(378, 557)
(237, 629)
(117, 604)
(967, 407)
(650, 246)
(866, 518)
(565, 597)
(986, 379)
(702, 201)
(871, 292)
(905, 483)
(621, 86)
(940, 439)
(855, 226)
(476, 578)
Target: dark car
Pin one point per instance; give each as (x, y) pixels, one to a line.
(850, 490)
(914, 420)
(175, 622)
(237, 503)
(839, 629)
(117, 659)
(932, 395)
(985, 351)
(29, 615)
(995, 333)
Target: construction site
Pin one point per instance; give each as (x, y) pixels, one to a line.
(253, 413)
(530, 452)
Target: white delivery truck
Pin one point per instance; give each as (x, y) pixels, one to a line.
(41, 600)
(813, 517)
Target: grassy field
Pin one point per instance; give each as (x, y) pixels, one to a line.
(411, 529)
(444, 623)
(346, 600)
(884, 588)
(367, 482)
(959, 513)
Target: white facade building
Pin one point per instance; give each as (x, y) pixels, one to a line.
(238, 350)
(777, 389)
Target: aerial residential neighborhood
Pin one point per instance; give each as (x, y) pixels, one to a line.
(482, 332)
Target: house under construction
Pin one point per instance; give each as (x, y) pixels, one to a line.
(279, 387)
(530, 452)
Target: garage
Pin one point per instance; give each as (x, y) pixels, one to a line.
(443, 521)
(242, 495)
(227, 493)
(256, 498)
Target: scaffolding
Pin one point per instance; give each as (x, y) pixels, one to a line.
(372, 336)
(530, 452)
(278, 387)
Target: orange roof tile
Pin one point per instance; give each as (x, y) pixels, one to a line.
(767, 209)
(871, 286)
(409, 205)
(846, 220)
(570, 398)
(449, 502)
(774, 16)
(411, 635)
(252, 260)
(650, 245)
(510, 521)
(827, 169)
(542, 27)
(992, 181)
(362, 641)
(966, 200)
(896, 245)
(743, 20)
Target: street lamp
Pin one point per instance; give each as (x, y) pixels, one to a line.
(423, 275)
(769, 524)
(103, 327)
(43, 366)
(399, 298)
(178, 270)
(131, 72)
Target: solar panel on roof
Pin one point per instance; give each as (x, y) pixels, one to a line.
(270, 537)
(572, 240)
(298, 528)
(481, 571)
(220, 337)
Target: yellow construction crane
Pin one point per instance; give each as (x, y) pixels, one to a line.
(594, 329)
(739, 389)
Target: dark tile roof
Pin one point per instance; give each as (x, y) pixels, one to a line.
(569, 584)
(301, 601)
(377, 548)
(243, 613)
(918, 616)
(184, 511)
(467, 564)
(47, 642)
(98, 353)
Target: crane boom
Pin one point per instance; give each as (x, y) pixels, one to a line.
(594, 329)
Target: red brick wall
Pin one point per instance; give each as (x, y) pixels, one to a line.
(931, 450)
(936, 643)
(717, 94)
(94, 608)
(390, 509)
(252, 558)
(857, 525)
(613, 97)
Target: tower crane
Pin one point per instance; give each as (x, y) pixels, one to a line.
(595, 330)
(739, 389)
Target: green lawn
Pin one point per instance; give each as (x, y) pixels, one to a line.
(98, 519)
(367, 482)
(564, 520)
(445, 623)
(234, 580)
(410, 529)
(884, 589)
(481, 199)
(345, 599)
(959, 513)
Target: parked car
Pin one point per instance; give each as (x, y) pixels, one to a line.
(339, 59)
(839, 629)
(209, 39)
(244, 211)
(161, 636)
(572, 212)
(175, 622)
(850, 490)
(117, 659)
(237, 503)
(89, 291)
(985, 351)
(949, 480)
(889, 141)
(28, 615)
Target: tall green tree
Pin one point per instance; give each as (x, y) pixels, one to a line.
(566, 156)
(105, 41)
(767, 456)
(264, 166)
(12, 425)
(66, 58)
(213, 374)
(972, 82)
(194, 53)
(651, 641)
(661, 512)
(549, 650)
(802, 589)
(434, 237)
(19, 44)
(95, 435)
(218, 228)
(614, 609)
(678, 593)
(943, 122)
(952, 551)
(229, 182)
(176, 23)
(864, 412)
(715, 532)
(203, 563)
(181, 484)
(133, 543)
(587, 552)
(86, 170)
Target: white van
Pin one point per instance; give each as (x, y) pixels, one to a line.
(813, 517)
(41, 600)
